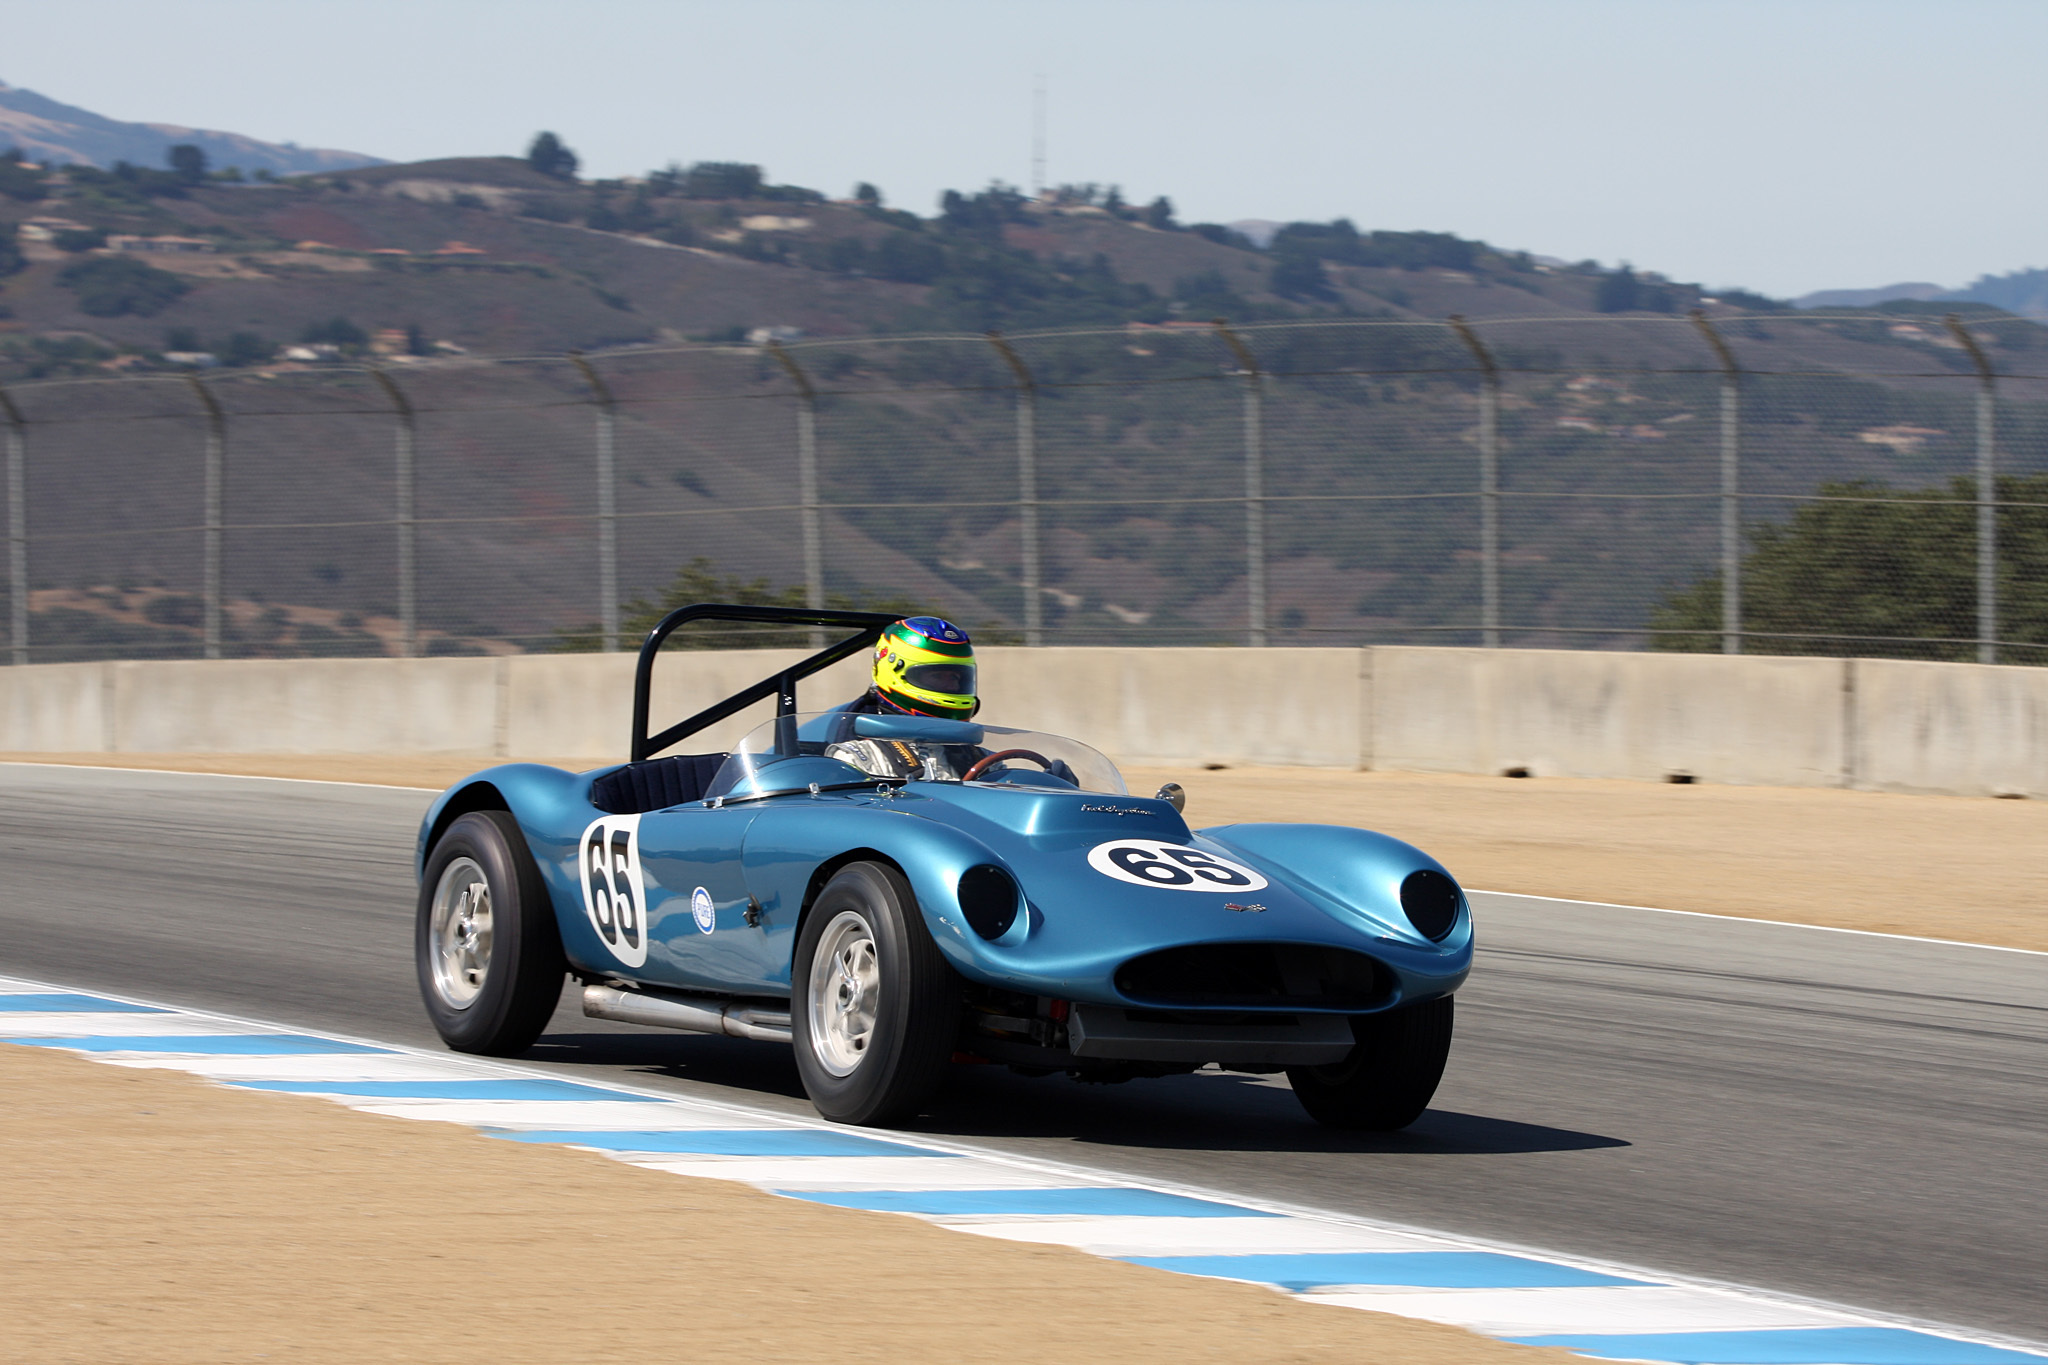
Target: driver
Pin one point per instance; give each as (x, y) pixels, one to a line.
(923, 666)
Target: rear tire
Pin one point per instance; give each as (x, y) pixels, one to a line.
(485, 943)
(1388, 1079)
(873, 1005)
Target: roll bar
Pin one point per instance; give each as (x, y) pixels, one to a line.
(866, 625)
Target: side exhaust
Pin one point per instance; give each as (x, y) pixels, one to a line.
(692, 1014)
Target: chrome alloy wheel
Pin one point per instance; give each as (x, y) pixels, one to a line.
(460, 933)
(846, 982)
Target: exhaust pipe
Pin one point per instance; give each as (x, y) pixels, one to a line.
(692, 1014)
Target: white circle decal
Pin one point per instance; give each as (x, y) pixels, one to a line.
(702, 911)
(1171, 867)
(614, 889)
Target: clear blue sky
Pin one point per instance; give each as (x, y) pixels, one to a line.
(1784, 145)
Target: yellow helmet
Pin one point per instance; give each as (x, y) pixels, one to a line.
(925, 667)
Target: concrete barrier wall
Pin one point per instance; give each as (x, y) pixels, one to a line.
(1579, 713)
(1967, 729)
(1882, 725)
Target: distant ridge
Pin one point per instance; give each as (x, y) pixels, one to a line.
(1919, 292)
(62, 134)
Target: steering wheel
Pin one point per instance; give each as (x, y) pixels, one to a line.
(987, 761)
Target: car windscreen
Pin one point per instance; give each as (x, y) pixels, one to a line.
(840, 749)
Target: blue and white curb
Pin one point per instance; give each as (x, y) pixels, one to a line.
(1601, 1311)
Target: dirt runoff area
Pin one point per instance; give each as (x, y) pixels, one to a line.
(154, 1217)
(1952, 867)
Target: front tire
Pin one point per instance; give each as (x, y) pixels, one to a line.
(873, 1005)
(485, 944)
(1388, 1079)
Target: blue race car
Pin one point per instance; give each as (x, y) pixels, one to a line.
(892, 894)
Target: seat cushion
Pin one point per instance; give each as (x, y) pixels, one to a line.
(655, 783)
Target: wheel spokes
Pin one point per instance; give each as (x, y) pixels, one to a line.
(460, 931)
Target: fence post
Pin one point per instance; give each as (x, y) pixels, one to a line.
(1027, 490)
(1731, 486)
(17, 528)
(807, 485)
(404, 450)
(1489, 484)
(607, 504)
(1254, 485)
(216, 481)
(1987, 493)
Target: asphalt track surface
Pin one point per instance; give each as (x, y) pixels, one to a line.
(1853, 1118)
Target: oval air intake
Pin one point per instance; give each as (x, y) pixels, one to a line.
(1430, 900)
(989, 898)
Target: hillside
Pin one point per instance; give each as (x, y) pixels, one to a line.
(435, 267)
(62, 134)
(489, 255)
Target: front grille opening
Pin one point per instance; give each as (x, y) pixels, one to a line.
(1250, 975)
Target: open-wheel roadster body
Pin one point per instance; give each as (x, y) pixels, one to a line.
(893, 895)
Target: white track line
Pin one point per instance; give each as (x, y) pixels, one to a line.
(1518, 895)
(1747, 919)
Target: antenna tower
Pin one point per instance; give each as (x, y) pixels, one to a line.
(1038, 135)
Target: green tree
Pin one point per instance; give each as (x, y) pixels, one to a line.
(187, 162)
(79, 239)
(11, 259)
(1299, 275)
(723, 180)
(1209, 295)
(18, 179)
(867, 196)
(243, 348)
(335, 331)
(1159, 213)
(112, 286)
(550, 157)
(1625, 292)
(1878, 571)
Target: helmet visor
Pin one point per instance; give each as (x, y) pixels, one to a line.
(955, 680)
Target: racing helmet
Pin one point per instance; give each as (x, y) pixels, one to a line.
(925, 667)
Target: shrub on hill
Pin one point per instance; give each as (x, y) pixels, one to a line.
(335, 331)
(114, 286)
(727, 180)
(548, 156)
(1339, 241)
(1625, 292)
(1299, 274)
(18, 179)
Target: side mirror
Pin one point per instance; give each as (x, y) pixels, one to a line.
(1173, 794)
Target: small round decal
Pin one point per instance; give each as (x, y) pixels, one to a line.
(1171, 867)
(703, 911)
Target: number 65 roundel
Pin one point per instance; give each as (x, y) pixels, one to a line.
(614, 893)
(1171, 867)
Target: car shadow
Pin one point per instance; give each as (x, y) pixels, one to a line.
(1212, 1112)
(1208, 1111)
(730, 1063)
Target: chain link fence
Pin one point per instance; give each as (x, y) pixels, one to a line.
(1825, 482)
